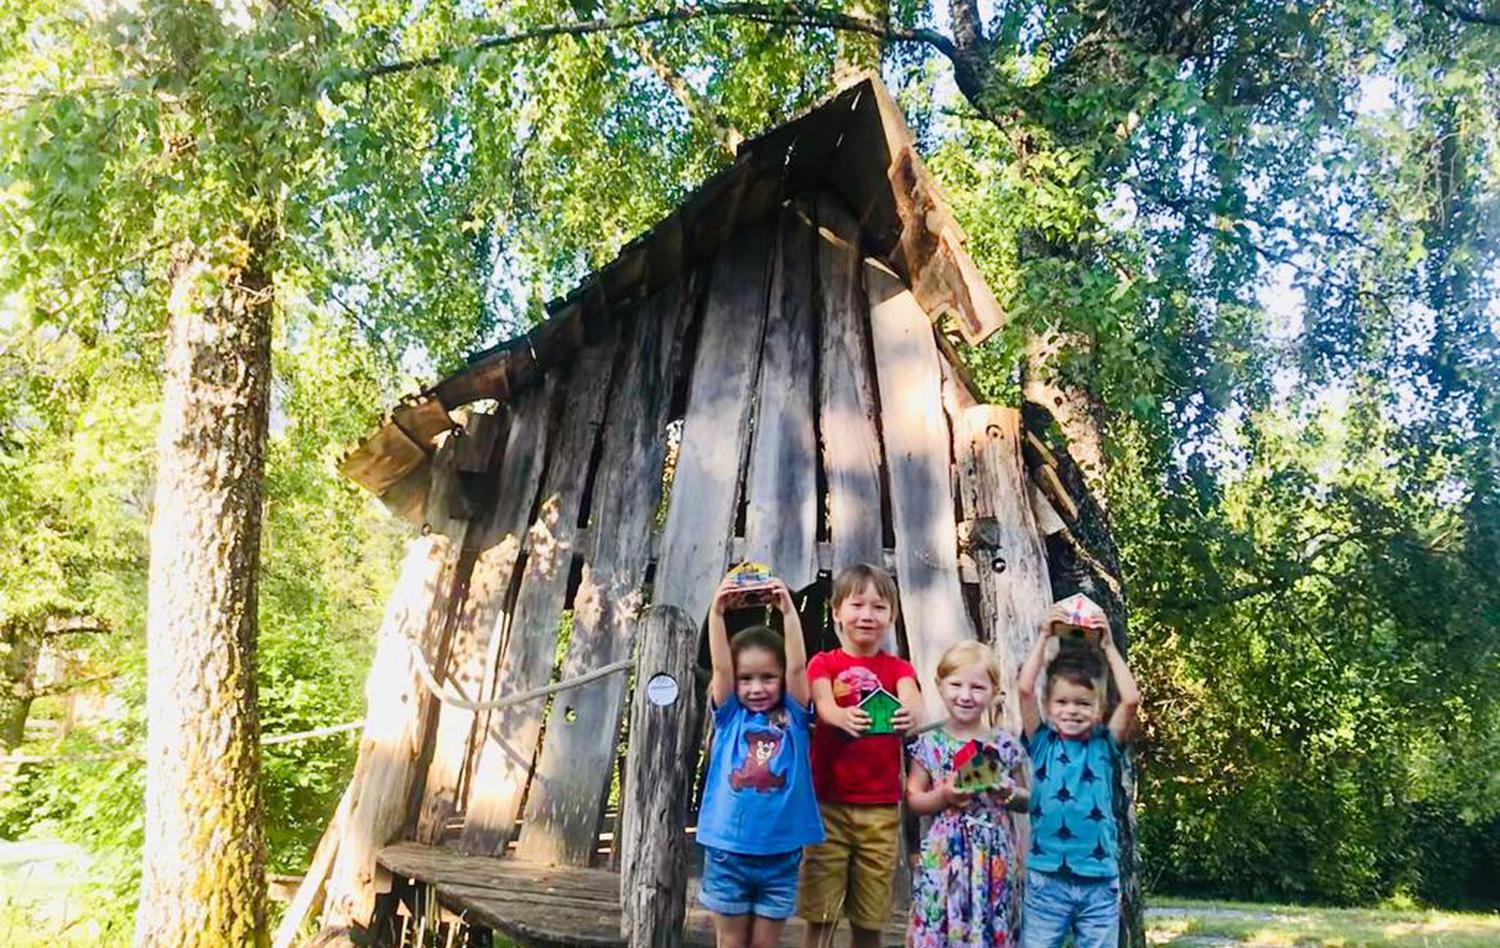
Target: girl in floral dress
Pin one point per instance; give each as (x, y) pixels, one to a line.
(962, 893)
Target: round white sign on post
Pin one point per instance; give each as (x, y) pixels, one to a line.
(661, 690)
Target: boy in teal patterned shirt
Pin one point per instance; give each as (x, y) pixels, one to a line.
(1072, 875)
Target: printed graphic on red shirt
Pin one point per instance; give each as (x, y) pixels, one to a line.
(853, 683)
(755, 771)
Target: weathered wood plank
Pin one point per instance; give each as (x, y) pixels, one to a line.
(555, 905)
(383, 459)
(917, 450)
(437, 864)
(846, 396)
(535, 923)
(1014, 589)
(700, 519)
(781, 516)
(474, 644)
(505, 741)
(397, 711)
(572, 772)
(659, 781)
(902, 208)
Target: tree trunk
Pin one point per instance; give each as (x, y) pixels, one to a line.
(1084, 558)
(203, 874)
(20, 643)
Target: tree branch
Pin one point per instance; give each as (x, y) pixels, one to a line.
(729, 136)
(63, 687)
(775, 14)
(1465, 14)
(73, 625)
(971, 66)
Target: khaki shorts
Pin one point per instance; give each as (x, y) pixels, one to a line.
(850, 872)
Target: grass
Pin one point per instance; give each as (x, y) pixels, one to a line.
(1186, 922)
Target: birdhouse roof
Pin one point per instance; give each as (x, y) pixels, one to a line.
(882, 695)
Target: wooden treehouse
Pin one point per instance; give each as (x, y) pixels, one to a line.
(764, 375)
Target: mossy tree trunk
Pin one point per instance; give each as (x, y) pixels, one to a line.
(20, 644)
(203, 877)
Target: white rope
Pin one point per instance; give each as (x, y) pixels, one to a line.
(424, 671)
(315, 732)
(271, 741)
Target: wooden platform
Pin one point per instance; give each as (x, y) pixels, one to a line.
(548, 905)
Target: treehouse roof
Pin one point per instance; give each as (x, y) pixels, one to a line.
(855, 143)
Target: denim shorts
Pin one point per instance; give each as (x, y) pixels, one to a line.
(741, 884)
(1056, 906)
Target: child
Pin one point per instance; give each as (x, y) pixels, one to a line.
(1071, 875)
(758, 806)
(961, 894)
(857, 776)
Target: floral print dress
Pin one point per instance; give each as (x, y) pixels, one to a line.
(962, 894)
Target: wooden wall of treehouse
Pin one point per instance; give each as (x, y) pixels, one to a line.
(789, 402)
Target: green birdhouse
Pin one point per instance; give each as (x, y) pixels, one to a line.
(881, 706)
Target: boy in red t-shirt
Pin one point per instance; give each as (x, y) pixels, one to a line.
(857, 776)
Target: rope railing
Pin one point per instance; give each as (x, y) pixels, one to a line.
(429, 681)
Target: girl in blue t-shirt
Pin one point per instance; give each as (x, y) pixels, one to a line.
(758, 806)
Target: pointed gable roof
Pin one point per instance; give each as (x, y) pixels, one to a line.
(855, 143)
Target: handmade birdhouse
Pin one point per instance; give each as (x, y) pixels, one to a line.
(881, 706)
(1078, 618)
(753, 586)
(977, 767)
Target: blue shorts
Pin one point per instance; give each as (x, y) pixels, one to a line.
(741, 884)
(1056, 906)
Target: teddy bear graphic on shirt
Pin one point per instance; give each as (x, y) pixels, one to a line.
(755, 771)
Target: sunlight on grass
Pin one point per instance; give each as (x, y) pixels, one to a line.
(1186, 923)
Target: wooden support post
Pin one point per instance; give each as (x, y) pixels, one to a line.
(398, 708)
(1004, 539)
(658, 781)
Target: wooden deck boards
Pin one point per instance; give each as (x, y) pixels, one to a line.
(553, 905)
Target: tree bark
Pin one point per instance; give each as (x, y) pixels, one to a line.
(1084, 557)
(20, 643)
(203, 874)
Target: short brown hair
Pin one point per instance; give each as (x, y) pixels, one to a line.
(762, 637)
(1083, 670)
(855, 578)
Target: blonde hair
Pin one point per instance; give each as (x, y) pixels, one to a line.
(966, 654)
(855, 578)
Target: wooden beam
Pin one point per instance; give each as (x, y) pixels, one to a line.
(917, 450)
(1052, 486)
(398, 712)
(781, 491)
(846, 393)
(659, 781)
(383, 459)
(565, 799)
(1006, 545)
